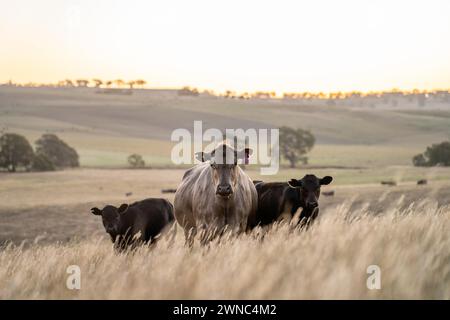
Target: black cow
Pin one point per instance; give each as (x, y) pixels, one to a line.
(139, 222)
(277, 200)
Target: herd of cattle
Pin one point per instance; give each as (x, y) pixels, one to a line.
(214, 196)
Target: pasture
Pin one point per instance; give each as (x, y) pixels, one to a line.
(105, 129)
(46, 224)
(328, 261)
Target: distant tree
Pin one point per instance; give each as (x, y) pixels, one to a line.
(15, 151)
(208, 92)
(82, 83)
(229, 94)
(294, 144)
(188, 91)
(97, 82)
(42, 163)
(119, 82)
(245, 95)
(131, 84)
(108, 83)
(141, 82)
(136, 161)
(419, 160)
(69, 83)
(57, 151)
(437, 154)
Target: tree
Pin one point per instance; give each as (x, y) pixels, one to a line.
(131, 84)
(82, 83)
(136, 161)
(419, 160)
(97, 82)
(42, 163)
(437, 154)
(188, 91)
(119, 82)
(69, 83)
(295, 143)
(61, 83)
(15, 151)
(57, 151)
(141, 82)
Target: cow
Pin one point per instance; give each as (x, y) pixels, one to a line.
(140, 222)
(215, 194)
(281, 200)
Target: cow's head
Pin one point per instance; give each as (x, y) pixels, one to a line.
(309, 187)
(111, 217)
(224, 161)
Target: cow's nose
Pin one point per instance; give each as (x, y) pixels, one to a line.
(224, 190)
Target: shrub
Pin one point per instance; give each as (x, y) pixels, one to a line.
(136, 161)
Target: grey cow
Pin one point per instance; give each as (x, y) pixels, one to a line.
(215, 194)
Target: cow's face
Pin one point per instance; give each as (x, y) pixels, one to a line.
(224, 179)
(309, 187)
(224, 166)
(111, 217)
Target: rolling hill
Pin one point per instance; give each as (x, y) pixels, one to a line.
(106, 128)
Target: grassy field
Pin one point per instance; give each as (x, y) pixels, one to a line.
(330, 260)
(46, 224)
(55, 206)
(105, 129)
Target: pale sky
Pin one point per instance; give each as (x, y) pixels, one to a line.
(239, 45)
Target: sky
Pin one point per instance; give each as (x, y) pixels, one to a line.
(283, 46)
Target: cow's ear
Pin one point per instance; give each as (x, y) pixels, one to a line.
(294, 183)
(326, 180)
(123, 208)
(96, 211)
(245, 154)
(202, 156)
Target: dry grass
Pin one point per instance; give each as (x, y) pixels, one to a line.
(411, 246)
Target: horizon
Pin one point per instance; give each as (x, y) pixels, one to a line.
(278, 94)
(255, 46)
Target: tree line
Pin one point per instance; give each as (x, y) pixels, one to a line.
(51, 153)
(98, 83)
